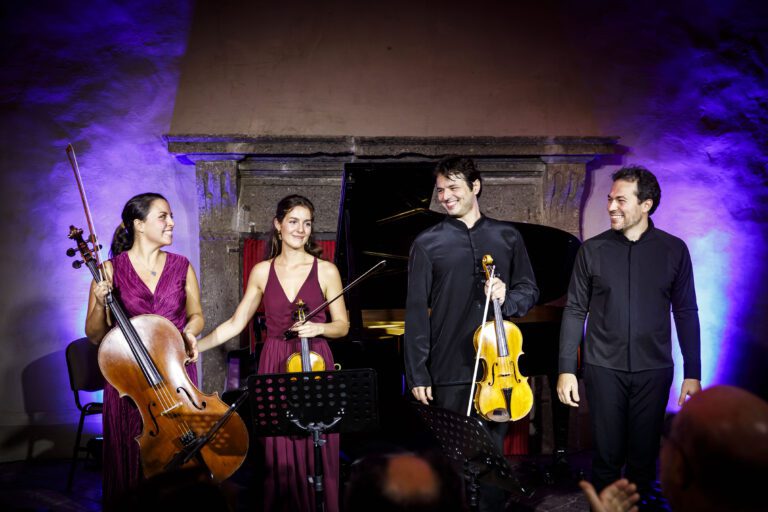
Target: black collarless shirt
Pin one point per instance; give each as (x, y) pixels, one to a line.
(445, 274)
(625, 290)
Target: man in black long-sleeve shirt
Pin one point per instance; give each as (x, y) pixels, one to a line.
(626, 279)
(445, 275)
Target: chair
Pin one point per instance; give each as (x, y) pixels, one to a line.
(84, 375)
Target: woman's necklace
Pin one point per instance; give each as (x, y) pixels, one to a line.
(152, 270)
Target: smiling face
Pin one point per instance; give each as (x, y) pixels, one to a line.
(627, 213)
(455, 195)
(295, 228)
(157, 227)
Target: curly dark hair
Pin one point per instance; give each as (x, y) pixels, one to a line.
(285, 205)
(137, 207)
(647, 185)
(454, 167)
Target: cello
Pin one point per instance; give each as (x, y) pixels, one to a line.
(143, 358)
(503, 393)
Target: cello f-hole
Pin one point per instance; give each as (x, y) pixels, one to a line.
(192, 400)
(151, 414)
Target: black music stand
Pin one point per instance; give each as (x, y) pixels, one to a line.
(465, 440)
(314, 403)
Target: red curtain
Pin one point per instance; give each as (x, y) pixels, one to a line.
(516, 442)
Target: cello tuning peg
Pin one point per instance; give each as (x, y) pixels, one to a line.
(71, 252)
(77, 264)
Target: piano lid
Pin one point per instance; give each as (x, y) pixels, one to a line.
(385, 205)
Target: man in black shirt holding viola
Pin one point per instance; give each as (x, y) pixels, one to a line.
(445, 276)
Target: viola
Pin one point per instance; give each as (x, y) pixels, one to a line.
(143, 358)
(306, 360)
(503, 393)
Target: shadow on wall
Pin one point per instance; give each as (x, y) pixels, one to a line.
(751, 362)
(47, 399)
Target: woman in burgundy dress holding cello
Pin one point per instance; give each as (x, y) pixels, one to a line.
(293, 271)
(147, 280)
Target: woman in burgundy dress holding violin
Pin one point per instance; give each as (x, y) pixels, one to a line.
(292, 272)
(147, 280)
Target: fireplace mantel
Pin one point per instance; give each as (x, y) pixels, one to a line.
(190, 149)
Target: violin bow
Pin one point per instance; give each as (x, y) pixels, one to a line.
(292, 334)
(482, 337)
(92, 238)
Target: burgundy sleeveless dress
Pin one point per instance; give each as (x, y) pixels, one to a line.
(121, 419)
(290, 460)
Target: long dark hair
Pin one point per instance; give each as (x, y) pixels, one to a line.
(285, 205)
(137, 207)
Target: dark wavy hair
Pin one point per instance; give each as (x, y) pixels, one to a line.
(285, 205)
(647, 185)
(454, 167)
(137, 207)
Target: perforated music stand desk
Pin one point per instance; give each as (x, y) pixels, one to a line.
(314, 403)
(465, 440)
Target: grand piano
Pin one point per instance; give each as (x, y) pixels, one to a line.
(383, 208)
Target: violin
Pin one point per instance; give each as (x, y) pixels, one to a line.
(503, 393)
(306, 360)
(143, 358)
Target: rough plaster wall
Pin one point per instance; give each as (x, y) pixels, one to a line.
(103, 76)
(400, 67)
(688, 93)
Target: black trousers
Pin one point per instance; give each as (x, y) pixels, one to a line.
(455, 398)
(627, 414)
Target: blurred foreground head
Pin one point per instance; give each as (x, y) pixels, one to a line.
(404, 482)
(715, 456)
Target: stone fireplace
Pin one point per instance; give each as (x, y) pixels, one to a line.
(240, 179)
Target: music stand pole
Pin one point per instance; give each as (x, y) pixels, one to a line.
(317, 480)
(314, 403)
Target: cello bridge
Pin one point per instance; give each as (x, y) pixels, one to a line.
(170, 409)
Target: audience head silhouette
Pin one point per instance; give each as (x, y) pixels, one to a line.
(715, 456)
(403, 482)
